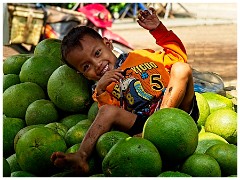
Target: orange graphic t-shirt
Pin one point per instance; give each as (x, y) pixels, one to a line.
(146, 75)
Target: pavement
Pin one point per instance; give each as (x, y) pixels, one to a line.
(198, 14)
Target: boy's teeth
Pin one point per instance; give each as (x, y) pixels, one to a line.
(105, 69)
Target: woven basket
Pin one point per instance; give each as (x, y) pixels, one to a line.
(26, 25)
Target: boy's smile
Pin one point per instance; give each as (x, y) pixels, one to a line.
(93, 58)
(105, 69)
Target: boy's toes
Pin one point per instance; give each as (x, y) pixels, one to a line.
(59, 162)
(58, 159)
(53, 157)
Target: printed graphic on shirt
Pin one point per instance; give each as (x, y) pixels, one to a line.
(142, 83)
(145, 80)
(144, 67)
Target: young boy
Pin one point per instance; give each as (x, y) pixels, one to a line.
(129, 88)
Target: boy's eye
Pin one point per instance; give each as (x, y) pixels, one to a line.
(85, 67)
(98, 52)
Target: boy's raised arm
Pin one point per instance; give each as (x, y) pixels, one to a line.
(169, 41)
(172, 45)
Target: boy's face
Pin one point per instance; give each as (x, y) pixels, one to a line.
(94, 59)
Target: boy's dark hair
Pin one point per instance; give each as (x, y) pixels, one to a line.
(72, 40)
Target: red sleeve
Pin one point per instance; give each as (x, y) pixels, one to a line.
(172, 45)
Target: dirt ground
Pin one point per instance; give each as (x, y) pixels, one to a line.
(210, 47)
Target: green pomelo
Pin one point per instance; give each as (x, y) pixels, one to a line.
(76, 133)
(92, 112)
(35, 148)
(201, 165)
(10, 80)
(217, 101)
(206, 140)
(226, 156)
(12, 161)
(69, 90)
(173, 132)
(6, 168)
(38, 69)
(106, 141)
(13, 64)
(58, 127)
(132, 157)
(11, 126)
(51, 47)
(201, 129)
(173, 174)
(17, 98)
(22, 174)
(223, 122)
(204, 109)
(65, 173)
(22, 131)
(72, 120)
(74, 148)
(41, 111)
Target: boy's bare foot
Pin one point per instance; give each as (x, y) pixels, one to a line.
(70, 161)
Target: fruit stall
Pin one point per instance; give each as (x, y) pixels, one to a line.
(47, 107)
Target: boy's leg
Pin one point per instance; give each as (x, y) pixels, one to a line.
(180, 90)
(108, 116)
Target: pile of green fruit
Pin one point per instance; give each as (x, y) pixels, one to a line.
(47, 107)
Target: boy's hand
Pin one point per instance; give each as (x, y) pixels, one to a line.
(148, 20)
(109, 77)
